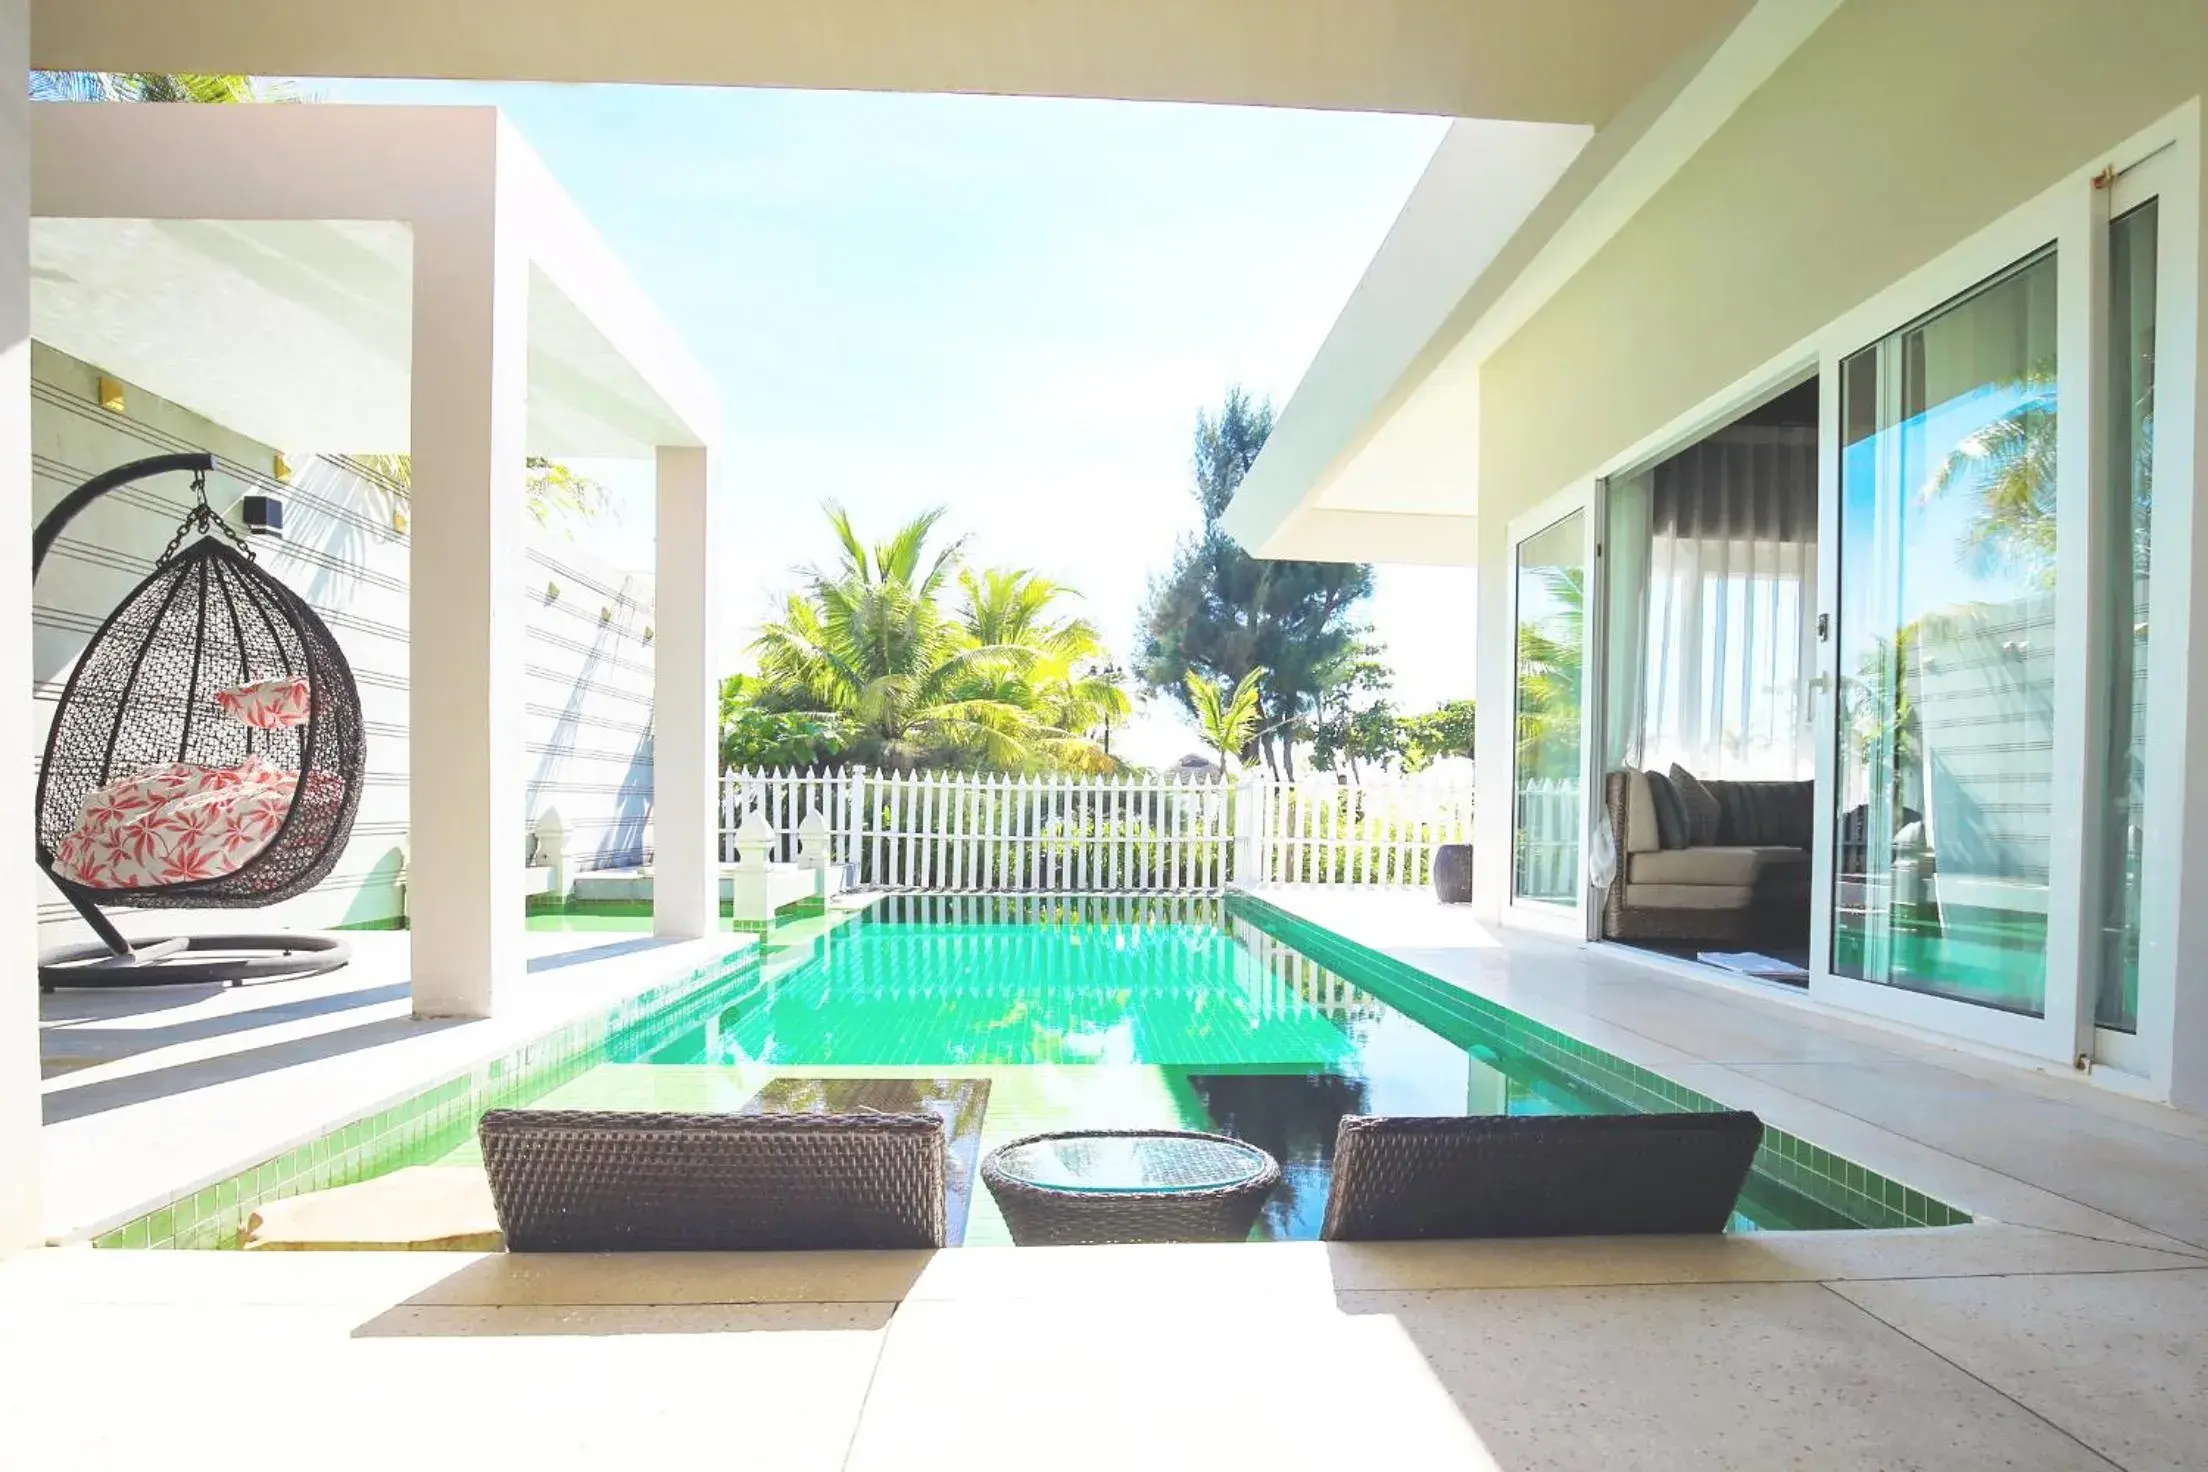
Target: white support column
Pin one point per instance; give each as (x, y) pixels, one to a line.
(22, 1163)
(685, 702)
(465, 884)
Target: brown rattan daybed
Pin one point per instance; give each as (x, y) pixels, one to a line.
(588, 1181)
(1537, 1175)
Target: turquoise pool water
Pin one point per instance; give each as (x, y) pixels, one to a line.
(1116, 1013)
(1017, 1015)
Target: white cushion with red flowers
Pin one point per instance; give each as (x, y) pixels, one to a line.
(176, 824)
(267, 705)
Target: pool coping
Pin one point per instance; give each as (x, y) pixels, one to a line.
(1872, 1200)
(422, 1122)
(353, 1143)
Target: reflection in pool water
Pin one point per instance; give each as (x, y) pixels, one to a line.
(1148, 1013)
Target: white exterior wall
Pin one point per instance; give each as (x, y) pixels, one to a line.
(587, 721)
(1899, 131)
(587, 718)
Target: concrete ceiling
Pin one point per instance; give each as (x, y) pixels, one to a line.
(1563, 61)
(298, 333)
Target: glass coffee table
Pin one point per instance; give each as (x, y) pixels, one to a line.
(1089, 1186)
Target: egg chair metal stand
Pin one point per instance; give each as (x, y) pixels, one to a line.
(208, 618)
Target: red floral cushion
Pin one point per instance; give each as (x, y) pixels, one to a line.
(267, 705)
(177, 823)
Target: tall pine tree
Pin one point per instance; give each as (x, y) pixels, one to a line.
(1222, 612)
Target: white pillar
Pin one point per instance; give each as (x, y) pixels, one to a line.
(22, 1164)
(685, 703)
(465, 892)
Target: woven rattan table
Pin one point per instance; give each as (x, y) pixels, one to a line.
(1128, 1186)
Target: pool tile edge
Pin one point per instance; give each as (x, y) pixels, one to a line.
(1828, 1179)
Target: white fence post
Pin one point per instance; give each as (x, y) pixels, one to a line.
(731, 782)
(1248, 802)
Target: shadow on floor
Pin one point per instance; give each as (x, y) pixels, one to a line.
(66, 1043)
(634, 945)
(505, 1295)
(66, 1103)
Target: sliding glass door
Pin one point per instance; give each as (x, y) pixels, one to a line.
(1945, 649)
(2001, 709)
(1549, 569)
(2140, 677)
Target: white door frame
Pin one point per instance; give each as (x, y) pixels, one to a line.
(2062, 217)
(2169, 176)
(2163, 161)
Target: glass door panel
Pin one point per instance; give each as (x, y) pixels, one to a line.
(1945, 650)
(2132, 263)
(1551, 604)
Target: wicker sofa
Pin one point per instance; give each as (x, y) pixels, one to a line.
(1749, 887)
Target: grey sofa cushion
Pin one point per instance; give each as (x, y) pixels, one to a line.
(1671, 814)
(1698, 866)
(1690, 896)
(1703, 812)
(1781, 814)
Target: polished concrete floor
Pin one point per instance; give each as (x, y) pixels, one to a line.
(153, 1092)
(2066, 1328)
(1969, 1347)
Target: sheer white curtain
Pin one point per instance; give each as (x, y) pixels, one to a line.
(1711, 660)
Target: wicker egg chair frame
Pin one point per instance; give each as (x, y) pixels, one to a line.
(206, 618)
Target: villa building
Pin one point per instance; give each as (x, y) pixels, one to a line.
(1838, 406)
(1816, 388)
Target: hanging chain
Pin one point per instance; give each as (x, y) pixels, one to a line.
(204, 519)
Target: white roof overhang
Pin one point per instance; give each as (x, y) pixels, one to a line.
(1376, 457)
(175, 248)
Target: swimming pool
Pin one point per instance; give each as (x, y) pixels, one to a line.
(1010, 1015)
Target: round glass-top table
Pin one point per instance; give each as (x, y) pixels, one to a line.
(1129, 1186)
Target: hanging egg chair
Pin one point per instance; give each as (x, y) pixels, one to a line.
(206, 753)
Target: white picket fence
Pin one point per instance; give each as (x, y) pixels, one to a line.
(967, 832)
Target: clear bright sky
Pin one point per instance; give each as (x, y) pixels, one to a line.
(1010, 307)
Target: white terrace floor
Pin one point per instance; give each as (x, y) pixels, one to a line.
(2068, 1328)
(151, 1093)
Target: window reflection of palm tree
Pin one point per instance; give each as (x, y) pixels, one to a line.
(1549, 666)
(2007, 466)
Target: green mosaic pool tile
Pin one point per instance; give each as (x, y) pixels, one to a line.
(1841, 1185)
(438, 1124)
(900, 994)
(425, 1125)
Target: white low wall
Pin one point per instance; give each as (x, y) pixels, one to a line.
(588, 697)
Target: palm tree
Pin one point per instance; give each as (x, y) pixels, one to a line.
(2008, 465)
(1057, 670)
(1229, 720)
(869, 640)
(1549, 669)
